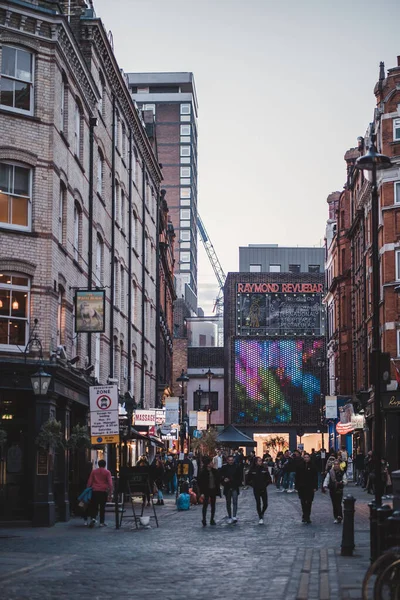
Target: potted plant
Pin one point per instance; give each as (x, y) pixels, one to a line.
(79, 438)
(51, 435)
(207, 444)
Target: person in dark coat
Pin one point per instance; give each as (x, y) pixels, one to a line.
(335, 481)
(231, 479)
(259, 478)
(157, 477)
(306, 485)
(209, 484)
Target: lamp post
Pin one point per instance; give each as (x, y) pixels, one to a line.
(372, 161)
(40, 382)
(209, 376)
(182, 379)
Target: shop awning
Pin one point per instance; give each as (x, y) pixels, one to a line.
(232, 437)
(135, 435)
(156, 441)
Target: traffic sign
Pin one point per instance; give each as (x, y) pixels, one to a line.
(104, 417)
(197, 433)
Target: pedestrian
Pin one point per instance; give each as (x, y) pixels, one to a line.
(259, 478)
(278, 473)
(101, 483)
(209, 484)
(217, 460)
(306, 485)
(231, 481)
(335, 481)
(359, 467)
(157, 476)
(170, 474)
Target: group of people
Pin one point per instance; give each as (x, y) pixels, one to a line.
(365, 472)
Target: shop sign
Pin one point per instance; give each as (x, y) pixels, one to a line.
(358, 421)
(391, 401)
(331, 411)
(104, 414)
(202, 420)
(160, 416)
(172, 411)
(144, 417)
(192, 418)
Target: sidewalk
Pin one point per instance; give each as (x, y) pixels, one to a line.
(282, 560)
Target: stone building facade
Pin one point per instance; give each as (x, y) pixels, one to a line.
(79, 197)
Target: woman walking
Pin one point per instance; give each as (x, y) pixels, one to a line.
(306, 485)
(209, 485)
(259, 478)
(101, 483)
(335, 481)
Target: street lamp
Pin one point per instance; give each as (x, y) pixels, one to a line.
(182, 379)
(372, 161)
(209, 376)
(40, 382)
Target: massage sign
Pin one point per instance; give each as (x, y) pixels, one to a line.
(104, 415)
(278, 309)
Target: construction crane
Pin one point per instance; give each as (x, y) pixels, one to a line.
(219, 274)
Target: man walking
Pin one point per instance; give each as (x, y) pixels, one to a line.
(231, 479)
(101, 483)
(259, 478)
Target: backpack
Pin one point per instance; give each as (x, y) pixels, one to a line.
(183, 502)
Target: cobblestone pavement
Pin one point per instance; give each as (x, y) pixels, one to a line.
(280, 560)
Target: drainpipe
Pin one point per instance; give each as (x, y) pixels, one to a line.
(142, 391)
(160, 200)
(111, 330)
(92, 125)
(130, 266)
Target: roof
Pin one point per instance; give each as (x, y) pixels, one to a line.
(231, 436)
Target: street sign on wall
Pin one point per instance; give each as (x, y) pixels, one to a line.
(104, 417)
(144, 417)
(172, 411)
(331, 409)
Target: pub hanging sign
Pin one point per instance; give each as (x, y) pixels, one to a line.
(90, 311)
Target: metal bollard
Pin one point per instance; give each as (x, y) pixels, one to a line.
(392, 525)
(347, 546)
(372, 531)
(382, 514)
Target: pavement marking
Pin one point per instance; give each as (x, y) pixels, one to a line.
(302, 593)
(38, 566)
(324, 576)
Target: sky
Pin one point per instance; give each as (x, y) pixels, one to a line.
(284, 89)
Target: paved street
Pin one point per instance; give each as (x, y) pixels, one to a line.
(284, 559)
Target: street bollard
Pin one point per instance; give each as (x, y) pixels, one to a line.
(372, 530)
(382, 513)
(392, 525)
(348, 526)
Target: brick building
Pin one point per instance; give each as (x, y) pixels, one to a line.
(79, 200)
(353, 236)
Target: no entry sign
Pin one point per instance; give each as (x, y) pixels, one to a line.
(104, 421)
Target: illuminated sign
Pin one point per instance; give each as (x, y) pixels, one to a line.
(277, 381)
(285, 288)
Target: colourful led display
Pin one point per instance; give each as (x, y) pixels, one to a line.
(277, 381)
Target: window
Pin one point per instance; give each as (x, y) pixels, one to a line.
(60, 317)
(186, 192)
(185, 171)
(185, 235)
(185, 257)
(135, 231)
(64, 107)
(77, 129)
(16, 82)
(201, 401)
(294, 268)
(185, 129)
(185, 202)
(100, 173)
(117, 205)
(314, 269)
(185, 109)
(14, 309)
(99, 260)
(185, 213)
(123, 140)
(62, 205)
(185, 150)
(122, 280)
(15, 196)
(77, 232)
(184, 245)
(397, 265)
(123, 208)
(396, 129)
(202, 340)
(397, 192)
(274, 268)
(255, 268)
(116, 129)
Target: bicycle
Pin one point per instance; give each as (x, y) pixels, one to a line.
(385, 576)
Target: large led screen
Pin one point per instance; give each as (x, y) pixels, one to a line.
(277, 381)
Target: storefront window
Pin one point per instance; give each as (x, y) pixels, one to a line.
(14, 309)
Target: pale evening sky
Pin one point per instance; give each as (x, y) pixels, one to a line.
(284, 89)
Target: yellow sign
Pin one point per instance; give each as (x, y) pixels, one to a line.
(105, 439)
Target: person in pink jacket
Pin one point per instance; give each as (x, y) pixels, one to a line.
(101, 483)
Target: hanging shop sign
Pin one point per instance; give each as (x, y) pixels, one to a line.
(144, 417)
(331, 411)
(172, 411)
(104, 414)
(89, 311)
(192, 418)
(160, 416)
(202, 420)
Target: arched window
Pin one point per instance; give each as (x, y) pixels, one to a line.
(77, 232)
(60, 317)
(17, 75)
(99, 260)
(64, 106)
(15, 196)
(14, 310)
(122, 287)
(122, 377)
(123, 208)
(62, 212)
(78, 130)
(100, 172)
